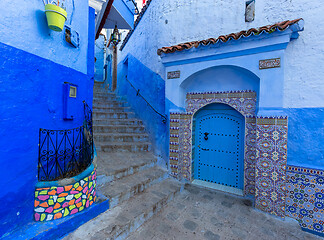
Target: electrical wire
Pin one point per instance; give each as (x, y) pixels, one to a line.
(73, 8)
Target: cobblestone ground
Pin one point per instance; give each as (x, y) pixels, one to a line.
(204, 214)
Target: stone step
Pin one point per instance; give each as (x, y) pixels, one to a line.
(118, 129)
(121, 137)
(116, 115)
(104, 104)
(113, 166)
(106, 98)
(123, 189)
(101, 90)
(123, 146)
(111, 109)
(103, 93)
(119, 222)
(98, 84)
(113, 121)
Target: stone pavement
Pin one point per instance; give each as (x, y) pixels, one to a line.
(205, 214)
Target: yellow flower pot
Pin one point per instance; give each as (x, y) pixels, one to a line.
(56, 17)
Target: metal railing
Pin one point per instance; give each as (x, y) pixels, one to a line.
(65, 153)
(164, 117)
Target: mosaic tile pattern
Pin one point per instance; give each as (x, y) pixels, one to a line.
(56, 202)
(181, 132)
(250, 156)
(174, 144)
(270, 170)
(243, 101)
(305, 198)
(186, 146)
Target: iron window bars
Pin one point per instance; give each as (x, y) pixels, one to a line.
(65, 153)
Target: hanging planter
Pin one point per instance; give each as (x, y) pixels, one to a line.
(56, 17)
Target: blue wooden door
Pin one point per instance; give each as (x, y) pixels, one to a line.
(219, 146)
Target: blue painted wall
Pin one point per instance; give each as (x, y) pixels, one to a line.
(24, 26)
(99, 53)
(306, 137)
(108, 69)
(152, 87)
(91, 44)
(221, 78)
(31, 96)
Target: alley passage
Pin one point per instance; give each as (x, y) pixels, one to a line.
(203, 214)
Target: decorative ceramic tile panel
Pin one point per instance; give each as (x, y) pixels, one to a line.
(186, 146)
(305, 198)
(56, 202)
(270, 170)
(174, 143)
(242, 101)
(181, 130)
(250, 156)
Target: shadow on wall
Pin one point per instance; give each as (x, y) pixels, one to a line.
(152, 88)
(42, 24)
(220, 78)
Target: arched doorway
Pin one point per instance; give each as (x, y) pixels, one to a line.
(218, 143)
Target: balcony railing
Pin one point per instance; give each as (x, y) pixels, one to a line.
(65, 153)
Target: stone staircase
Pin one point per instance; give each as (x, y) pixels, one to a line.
(128, 174)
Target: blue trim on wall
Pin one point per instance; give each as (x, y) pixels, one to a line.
(59, 228)
(228, 55)
(70, 181)
(313, 232)
(31, 97)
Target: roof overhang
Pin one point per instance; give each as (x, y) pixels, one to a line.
(113, 13)
(120, 15)
(252, 41)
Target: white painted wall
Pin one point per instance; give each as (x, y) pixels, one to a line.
(169, 22)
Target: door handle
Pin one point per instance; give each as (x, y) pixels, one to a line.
(206, 136)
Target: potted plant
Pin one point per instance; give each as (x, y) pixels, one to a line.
(55, 14)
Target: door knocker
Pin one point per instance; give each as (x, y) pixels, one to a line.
(206, 136)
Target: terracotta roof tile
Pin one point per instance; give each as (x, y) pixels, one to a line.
(281, 26)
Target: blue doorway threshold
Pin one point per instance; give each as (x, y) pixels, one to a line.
(218, 187)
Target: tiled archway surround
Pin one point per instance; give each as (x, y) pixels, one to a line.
(265, 154)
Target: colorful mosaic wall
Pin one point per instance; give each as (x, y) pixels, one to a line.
(57, 202)
(181, 132)
(305, 198)
(174, 144)
(271, 161)
(180, 145)
(250, 156)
